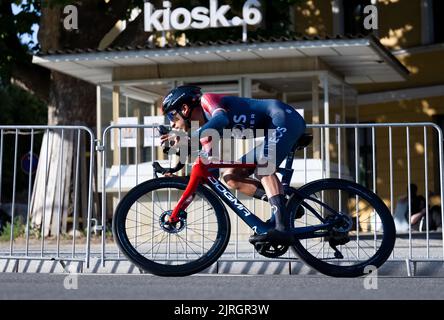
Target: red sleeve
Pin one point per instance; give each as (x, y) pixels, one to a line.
(211, 102)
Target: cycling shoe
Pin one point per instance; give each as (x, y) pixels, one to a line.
(273, 236)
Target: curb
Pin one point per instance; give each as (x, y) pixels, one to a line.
(390, 268)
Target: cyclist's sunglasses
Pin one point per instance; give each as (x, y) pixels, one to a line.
(172, 115)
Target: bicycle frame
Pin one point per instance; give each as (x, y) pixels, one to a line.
(200, 174)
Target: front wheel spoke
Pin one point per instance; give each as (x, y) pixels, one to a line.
(180, 242)
(177, 252)
(155, 234)
(212, 231)
(201, 218)
(197, 245)
(195, 231)
(144, 234)
(151, 200)
(197, 209)
(157, 202)
(202, 223)
(148, 209)
(157, 244)
(186, 243)
(143, 224)
(158, 248)
(147, 216)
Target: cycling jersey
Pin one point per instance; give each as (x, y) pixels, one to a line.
(244, 113)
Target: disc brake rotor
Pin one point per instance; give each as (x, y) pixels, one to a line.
(173, 227)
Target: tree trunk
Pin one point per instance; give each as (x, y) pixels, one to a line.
(71, 102)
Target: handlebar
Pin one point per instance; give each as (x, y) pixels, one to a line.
(159, 169)
(166, 148)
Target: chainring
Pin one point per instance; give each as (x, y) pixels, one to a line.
(270, 250)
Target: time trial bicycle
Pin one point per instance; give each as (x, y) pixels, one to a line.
(178, 226)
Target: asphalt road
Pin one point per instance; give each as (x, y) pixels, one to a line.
(214, 287)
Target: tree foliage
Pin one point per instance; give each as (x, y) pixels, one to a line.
(12, 29)
(96, 18)
(18, 107)
(72, 100)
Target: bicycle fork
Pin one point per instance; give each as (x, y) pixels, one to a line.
(197, 173)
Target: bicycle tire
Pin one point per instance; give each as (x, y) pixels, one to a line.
(148, 265)
(387, 244)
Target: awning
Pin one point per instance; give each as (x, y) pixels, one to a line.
(356, 59)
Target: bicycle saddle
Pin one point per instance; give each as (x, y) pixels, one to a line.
(303, 142)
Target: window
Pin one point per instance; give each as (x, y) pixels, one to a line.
(354, 16)
(438, 25)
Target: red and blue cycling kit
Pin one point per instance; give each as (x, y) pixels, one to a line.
(231, 112)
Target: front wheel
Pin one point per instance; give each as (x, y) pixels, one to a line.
(367, 240)
(190, 246)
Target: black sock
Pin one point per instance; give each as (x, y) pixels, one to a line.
(260, 194)
(277, 203)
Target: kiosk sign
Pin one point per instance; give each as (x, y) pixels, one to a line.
(199, 17)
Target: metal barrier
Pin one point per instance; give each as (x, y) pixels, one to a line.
(423, 245)
(113, 253)
(337, 155)
(376, 155)
(37, 209)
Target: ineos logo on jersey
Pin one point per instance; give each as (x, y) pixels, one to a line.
(240, 118)
(199, 17)
(237, 130)
(277, 135)
(241, 121)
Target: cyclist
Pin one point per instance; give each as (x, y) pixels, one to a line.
(185, 104)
